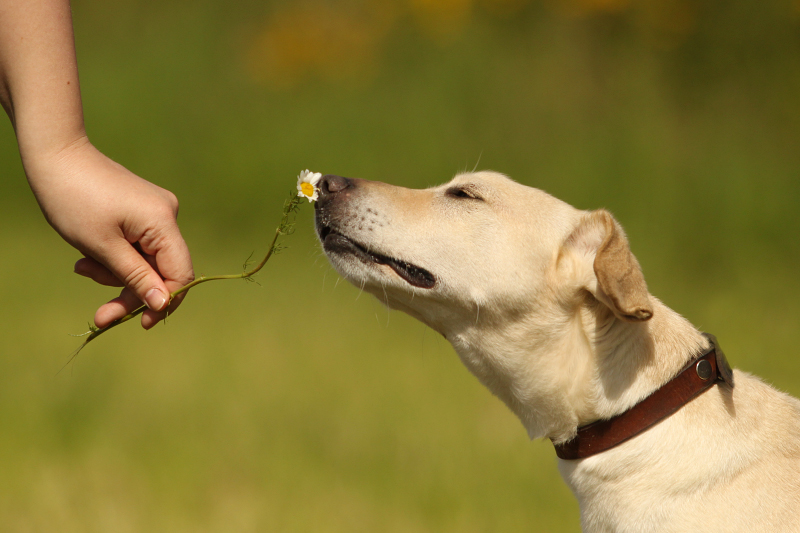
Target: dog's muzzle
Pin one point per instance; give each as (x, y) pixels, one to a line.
(331, 217)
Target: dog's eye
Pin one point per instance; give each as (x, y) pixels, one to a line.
(463, 192)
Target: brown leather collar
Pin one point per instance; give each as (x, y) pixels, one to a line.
(695, 378)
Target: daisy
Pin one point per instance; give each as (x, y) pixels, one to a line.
(307, 185)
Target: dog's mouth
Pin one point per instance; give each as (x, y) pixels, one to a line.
(336, 243)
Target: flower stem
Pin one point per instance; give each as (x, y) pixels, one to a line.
(285, 227)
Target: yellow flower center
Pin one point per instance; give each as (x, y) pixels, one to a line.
(307, 189)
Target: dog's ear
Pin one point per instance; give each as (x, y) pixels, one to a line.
(619, 280)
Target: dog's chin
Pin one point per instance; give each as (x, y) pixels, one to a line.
(343, 250)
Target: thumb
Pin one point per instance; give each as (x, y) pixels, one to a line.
(132, 269)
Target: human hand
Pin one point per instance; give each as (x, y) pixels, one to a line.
(124, 225)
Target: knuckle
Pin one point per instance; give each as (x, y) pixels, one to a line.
(166, 211)
(172, 202)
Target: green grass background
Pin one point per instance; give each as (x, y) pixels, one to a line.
(302, 405)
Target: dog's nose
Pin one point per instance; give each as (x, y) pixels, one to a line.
(331, 183)
(330, 186)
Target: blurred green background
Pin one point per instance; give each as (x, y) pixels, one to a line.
(301, 405)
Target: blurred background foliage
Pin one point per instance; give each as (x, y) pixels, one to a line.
(302, 405)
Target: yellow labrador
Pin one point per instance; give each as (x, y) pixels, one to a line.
(548, 308)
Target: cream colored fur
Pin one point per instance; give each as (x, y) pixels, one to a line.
(548, 308)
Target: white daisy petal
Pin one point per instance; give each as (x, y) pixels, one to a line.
(314, 177)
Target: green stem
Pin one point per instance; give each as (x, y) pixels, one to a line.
(284, 228)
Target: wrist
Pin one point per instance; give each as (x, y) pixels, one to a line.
(44, 160)
(42, 146)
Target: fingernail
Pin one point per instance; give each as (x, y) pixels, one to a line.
(155, 299)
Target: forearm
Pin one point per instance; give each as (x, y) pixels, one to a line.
(97, 205)
(39, 79)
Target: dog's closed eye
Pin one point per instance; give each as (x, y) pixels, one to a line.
(463, 191)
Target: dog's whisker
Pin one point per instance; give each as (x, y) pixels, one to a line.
(386, 302)
(478, 162)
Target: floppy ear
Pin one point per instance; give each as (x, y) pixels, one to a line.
(620, 282)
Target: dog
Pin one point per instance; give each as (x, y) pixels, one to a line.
(546, 305)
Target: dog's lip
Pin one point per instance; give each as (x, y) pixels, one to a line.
(335, 242)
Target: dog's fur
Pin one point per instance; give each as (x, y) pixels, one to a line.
(547, 306)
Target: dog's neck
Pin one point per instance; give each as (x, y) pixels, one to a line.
(572, 372)
(631, 360)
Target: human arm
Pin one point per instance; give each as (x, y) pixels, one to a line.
(124, 225)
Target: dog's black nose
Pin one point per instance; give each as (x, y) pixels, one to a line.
(330, 186)
(331, 183)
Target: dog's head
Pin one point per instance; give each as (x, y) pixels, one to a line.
(495, 266)
(481, 242)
